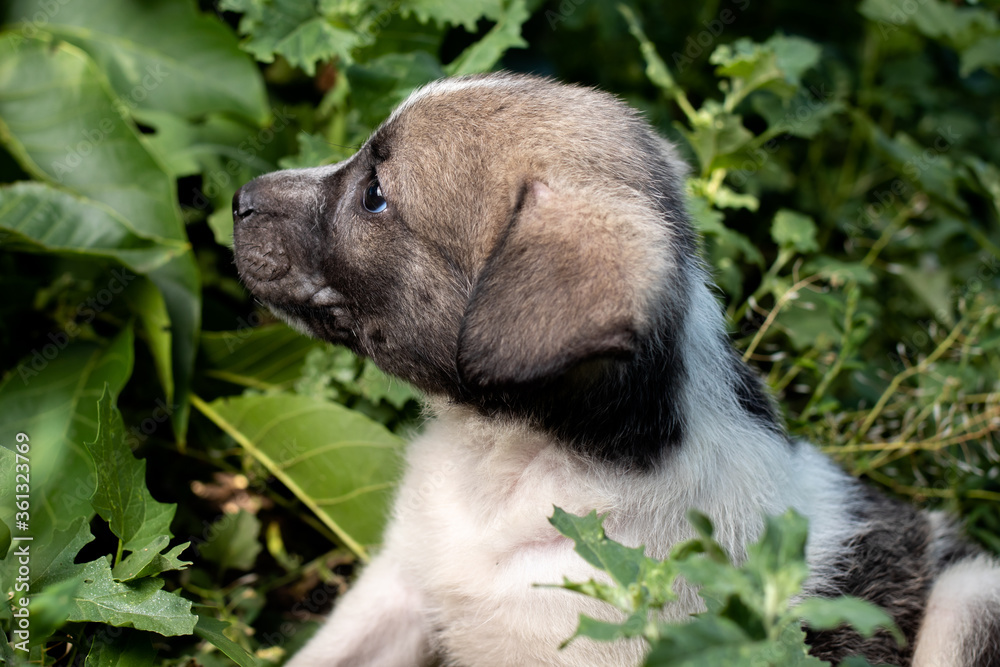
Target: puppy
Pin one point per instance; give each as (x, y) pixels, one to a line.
(519, 250)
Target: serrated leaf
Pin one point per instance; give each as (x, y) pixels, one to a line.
(605, 631)
(147, 560)
(121, 496)
(342, 465)
(142, 604)
(587, 532)
(831, 613)
(233, 541)
(504, 35)
(293, 29)
(194, 68)
(452, 12)
(212, 631)
(376, 386)
(52, 399)
(54, 561)
(791, 229)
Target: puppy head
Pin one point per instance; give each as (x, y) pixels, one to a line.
(496, 232)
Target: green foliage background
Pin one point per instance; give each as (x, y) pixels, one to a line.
(844, 174)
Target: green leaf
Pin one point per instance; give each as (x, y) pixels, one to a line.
(96, 153)
(342, 465)
(50, 396)
(587, 532)
(233, 541)
(49, 609)
(716, 134)
(141, 604)
(604, 631)
(121, 496)
(54, 561)
(131, 649)
(293, 29)
(863, 616)
(268, 357)
(376, 386)
(378, 85)
(161, 55)
(504, 35)
(44, 219)
(777, 65)
(791, 229)
(453, 12)
(147, 560)
(212, 631)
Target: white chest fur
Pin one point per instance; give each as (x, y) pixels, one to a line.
(470, 527)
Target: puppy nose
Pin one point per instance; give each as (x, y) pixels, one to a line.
(243, 202)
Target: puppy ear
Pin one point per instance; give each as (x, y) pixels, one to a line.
(559, 288)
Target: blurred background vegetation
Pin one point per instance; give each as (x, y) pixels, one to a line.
(844, 173)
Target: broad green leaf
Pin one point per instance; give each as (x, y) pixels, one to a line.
(268, 357)
(142, 604)
(44, 219)
(233, 541)
(863, 616)
(96, 153)
(791, 229)
(212, 631)
(54, 561)
(506, 34)
(160, 55)
(147, 303)
(148, 561)
(342, 465)
(51, 396)
(131, 649)
(121, 496)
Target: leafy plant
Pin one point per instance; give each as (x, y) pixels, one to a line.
(750, 617)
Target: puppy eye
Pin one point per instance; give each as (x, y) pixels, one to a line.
(373, 200)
